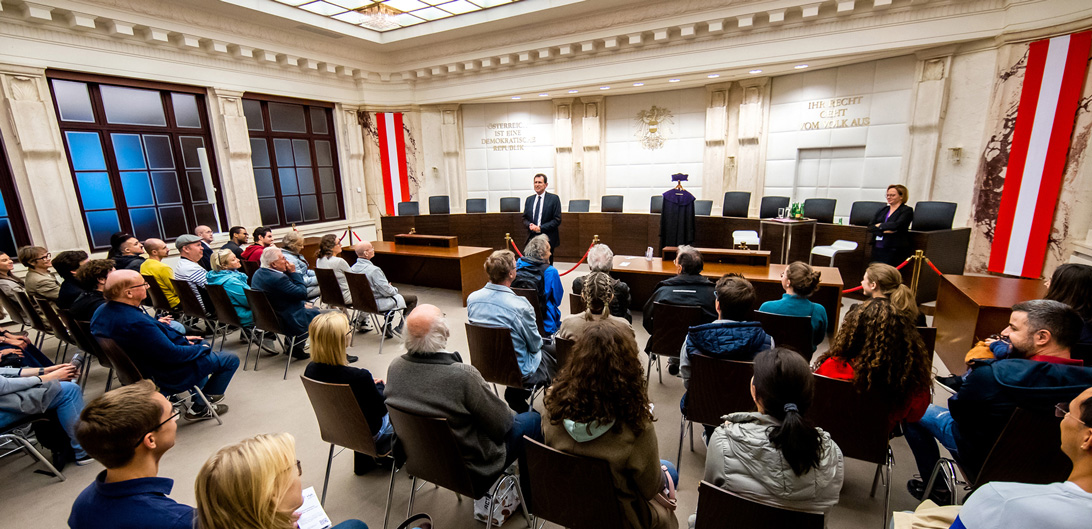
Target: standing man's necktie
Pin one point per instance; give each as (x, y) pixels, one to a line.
(538, 210)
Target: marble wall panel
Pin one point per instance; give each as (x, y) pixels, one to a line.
(505, 145)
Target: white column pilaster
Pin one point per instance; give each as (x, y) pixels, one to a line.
(232, 141)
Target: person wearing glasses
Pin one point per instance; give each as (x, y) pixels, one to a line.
(39, 281)
(174, 361)
(128, 430)
(254, 484)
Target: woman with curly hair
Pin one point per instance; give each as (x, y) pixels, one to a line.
(598, 407)
(597, 293)
(880, 350)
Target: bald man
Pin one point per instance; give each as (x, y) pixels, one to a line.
(154, 266)
(386, 295)
(175, 362)
(205, 234)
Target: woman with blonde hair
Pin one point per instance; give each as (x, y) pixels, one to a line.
(597, 293)
(883, 281)
(889, 231)
(291, 247)
(226, 273)
(329, 333)
(800, 281)
(253, 484)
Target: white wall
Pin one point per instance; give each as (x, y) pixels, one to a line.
(506, 169)
(637, 172)
(875, 100)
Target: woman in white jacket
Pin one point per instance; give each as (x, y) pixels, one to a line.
(775, 456)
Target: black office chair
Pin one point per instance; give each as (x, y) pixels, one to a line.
(476, 205)
(737, 204)
(509, 205)
(408, 208)
(767, 209)
(657, 205)
(582, 205)
(611, 204)
(930, 215)
(703, 207)
(439, 205)
(820, 209)
(862, 211)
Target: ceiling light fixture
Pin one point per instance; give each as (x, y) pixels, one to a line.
(573, 91)
(713, 75)
(604, 88)
(638, 84)
(543, 95)
(379, 17)
(673, 80)
(755, 71)
(515, 97)
(800, 66)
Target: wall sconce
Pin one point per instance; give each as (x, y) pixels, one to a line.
(955, 155)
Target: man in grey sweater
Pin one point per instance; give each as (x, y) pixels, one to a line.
(430, 381)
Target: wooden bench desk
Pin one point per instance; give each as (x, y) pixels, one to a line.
(725, 256)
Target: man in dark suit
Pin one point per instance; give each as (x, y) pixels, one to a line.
(542, 214)
(205, 234)
(287, 293)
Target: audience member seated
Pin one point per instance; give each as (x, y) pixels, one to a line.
(386, 294)
(1071, 283)
(17, 350)
(35, 390)
(225, 272)
(598, 292)
(330, 364)
(9, 282)
(292, 245)
(496, 305)
(263, 238)
(128, 430)
(601, 259)
(1040, 331)
(129, 255)
(329, 257)
(800, 281)
(284, 288)
(93, 278)
(116, 240)
(238, 237)
(1066, 505)
(66, 264)
(883, 281)
(205, 234)
(534, 272)
(253, 484)
(39, 281)
(162, 272)
(775, 455)
(175, 362)
(688, 287)
(189, 269)
(431, 381)
(598, 407)
(1001, 346)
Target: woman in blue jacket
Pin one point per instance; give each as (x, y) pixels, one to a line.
(800, 281)
(225, 272)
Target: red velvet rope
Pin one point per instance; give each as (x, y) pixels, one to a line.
(580, 261)
(931, 265)
(514, 247)
(859, 287)
(343, 234)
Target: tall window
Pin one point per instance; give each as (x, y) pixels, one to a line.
(13, 229)
(295, 161)
(141, 156)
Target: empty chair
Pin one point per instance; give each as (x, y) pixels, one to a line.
(266, 321)
(931, 215)
(509, 205)
(862, 211)
(767, 209)
(360, 290)
(439, 205)
(582, 205)
(670, 324)
(832, 250)
(703, 207)
(611, 204)
(717, 387)
(408, 208)
(748, 237)
(16, 433)
(716, 506)
(657, 205)
(553, 495)
(820, 209)
(476, 205)
(737, 204)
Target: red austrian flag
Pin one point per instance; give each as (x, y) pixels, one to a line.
(392, 155)
(1040, 143)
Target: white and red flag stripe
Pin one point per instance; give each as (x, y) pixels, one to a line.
(1040, 143)
(392, 155)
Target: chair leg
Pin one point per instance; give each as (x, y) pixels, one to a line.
(523, 503)
(412, 493)
(682, 434)
(34, 453)
(291, 349)
(326, 482)
(212, 409)
(390, 496)
(887, 488)
(875, 481)
(691, 427)
(258, 353)
(110, 379)
(249, 344)
(659, 369)
(648, 373)
(57, 355)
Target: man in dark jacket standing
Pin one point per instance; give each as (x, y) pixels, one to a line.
(542, 214)
(688, 287)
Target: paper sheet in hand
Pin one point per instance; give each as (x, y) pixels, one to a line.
(312, 516)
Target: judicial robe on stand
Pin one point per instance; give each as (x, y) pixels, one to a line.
(677, 219)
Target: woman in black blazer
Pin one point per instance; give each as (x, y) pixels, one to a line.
(890, 228)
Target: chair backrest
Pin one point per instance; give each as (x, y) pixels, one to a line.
(439, 205)
(81, 337)
(929, 336)
(155, 292)
(408, 208)
(329, 288)
(563, 350)
(933, 215)
(493, 354)
(476, 205)
(124, 367)
(1027, 451)
(670, 323)
(531, 295)
(249, 267)
(718, 387)
(736, 204)
(611, 204)
(716, 506)
(360, 289)
(791, 332)
(767, 209)
(581, 205)
(341, 421)
(509, 205)
(1082, 351)
(13, 309)
(191, 306)
(432, 452)
(748, 237)
(576, 303)
(585, 503)
(265, 318)
(32, 317)
(60, 330)
(857, 422)
(703, 207)
(862, 211)
(820, 209)
(221, 304)
(657, 205)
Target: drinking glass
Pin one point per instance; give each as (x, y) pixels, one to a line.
(781, 213)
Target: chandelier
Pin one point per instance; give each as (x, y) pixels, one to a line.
(379, 16)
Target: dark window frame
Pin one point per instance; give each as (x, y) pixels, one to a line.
(14, 207)
(105, 131)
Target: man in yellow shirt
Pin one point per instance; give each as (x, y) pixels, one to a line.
(153, 266)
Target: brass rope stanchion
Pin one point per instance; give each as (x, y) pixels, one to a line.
(918, 257)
